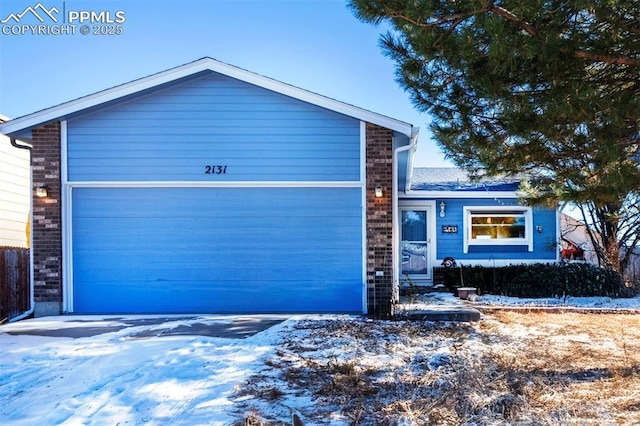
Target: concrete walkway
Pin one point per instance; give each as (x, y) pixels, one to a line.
(436, 306)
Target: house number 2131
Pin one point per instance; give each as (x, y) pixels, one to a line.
(215, 170)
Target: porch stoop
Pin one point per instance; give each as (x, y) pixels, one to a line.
(440, 313)
(434, 305)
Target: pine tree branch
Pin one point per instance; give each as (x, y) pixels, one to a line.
(448, 31)
(629, 26)
(458, 18)
(614, 60)
(632, 26)
(395, 14)
(509, 16)
(531, 30)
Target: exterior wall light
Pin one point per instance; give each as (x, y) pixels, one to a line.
(42, 191)
(442, 207)
(378, 191)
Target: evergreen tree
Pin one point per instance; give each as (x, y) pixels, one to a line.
(545, 88)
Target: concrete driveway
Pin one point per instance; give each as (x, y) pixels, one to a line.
(152, 370)
(223, 326)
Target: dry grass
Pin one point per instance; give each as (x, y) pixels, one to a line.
(510, 368)
(583, 368)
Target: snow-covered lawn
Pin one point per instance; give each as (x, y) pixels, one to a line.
(419, 302)
(508, 368)
(593, 303)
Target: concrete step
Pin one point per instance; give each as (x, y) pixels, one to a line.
(440, 313)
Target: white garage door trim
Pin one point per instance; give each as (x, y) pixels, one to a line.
(68, 281)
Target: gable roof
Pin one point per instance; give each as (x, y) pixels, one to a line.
(68, 109)
(450, 179)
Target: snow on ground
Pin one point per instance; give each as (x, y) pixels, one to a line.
(329, 372)
(130, 376)
(509, 368)
(117, 378)
(419, 302)
(577, 302)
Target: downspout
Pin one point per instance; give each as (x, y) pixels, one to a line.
(413, 142)
(32, 302)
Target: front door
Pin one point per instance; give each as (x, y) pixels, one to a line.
(414, 247)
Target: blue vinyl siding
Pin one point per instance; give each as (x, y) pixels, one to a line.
(164, 250)
(452, 244)
(173, 133)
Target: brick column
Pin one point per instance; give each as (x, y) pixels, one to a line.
(379, 151)
(47, 221)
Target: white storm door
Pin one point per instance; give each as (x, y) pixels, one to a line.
(414, 246)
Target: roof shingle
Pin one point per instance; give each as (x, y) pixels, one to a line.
(454, 179)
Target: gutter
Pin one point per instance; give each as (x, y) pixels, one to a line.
(394, 205)
(27, 147)
(32, 301)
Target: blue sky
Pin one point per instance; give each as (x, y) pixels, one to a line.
(317, 45)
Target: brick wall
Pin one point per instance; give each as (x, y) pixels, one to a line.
(379, 152)
(47, 221)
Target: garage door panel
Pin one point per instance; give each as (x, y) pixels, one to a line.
(252, 250)
(155, 266)
(201, 202)
(140, 233)
(261, 297)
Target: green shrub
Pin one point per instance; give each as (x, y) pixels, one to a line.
(540, 280)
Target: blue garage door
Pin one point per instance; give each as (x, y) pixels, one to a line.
(198, 250)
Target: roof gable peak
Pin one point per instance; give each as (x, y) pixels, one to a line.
(62, 111)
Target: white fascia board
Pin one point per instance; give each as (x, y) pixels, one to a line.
(459, 194)
(204, 64)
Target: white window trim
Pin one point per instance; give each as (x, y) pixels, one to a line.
(526, 211)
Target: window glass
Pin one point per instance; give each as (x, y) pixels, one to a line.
(414, 225)
(414, 242)
(414, 258)
(497, 226)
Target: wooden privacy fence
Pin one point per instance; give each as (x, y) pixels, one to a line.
(14, 282)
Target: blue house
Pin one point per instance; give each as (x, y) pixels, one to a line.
(208, 188)
(446, 215)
